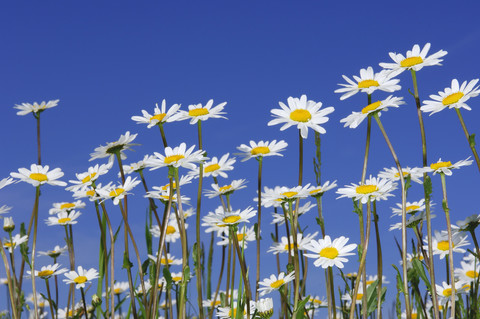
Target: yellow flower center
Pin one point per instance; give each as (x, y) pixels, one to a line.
(359, 296)
(158, 117)
(198, 112)
(80, 280)
(466, 287)
(67, 205)
(277, 284)
(41, 304)
(260, 150)
(300, 115)
(397, 174)
(171, 230)
(291, 247)
(90, 192)
(39, 177)
(9, 244)
(240, 237)
(452, 98)
(116, 192)
(447, 292)
(231, 219)
(366, 189)
(414, 316)
(443, 245)
(371, 107)
(365, 84)
(225, 188)
(211, 168)
(45, 273)
(329, 252)
(216, 303)
(411, 61)
(177, 278)
(167, 186)
(172, 158)
(369, 282)
(472, 274)
(412, 208)
(318, 301)
(289, 194)
(88, 178)
(117, 291)
(64, 220)
(439, 165)
(164, 261)
(315, 191)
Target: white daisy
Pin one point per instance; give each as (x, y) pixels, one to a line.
(177, 157)
(39, 175)
(172, 231)
(373, 189)
(265, 307)
(221, 217)
(90, 176)
(139, 291)
(415, 59)
(441, 246)
(227, 313)
(412, 221)
(371, 279)
(160, 115)
(278, 195)
(48, 271)
(13, 243)
(226, 189)
(64, 218)
(284, 247)
(414, 314)
(368, 82)
(8, 224)
(80, 277)
(197, 112)
(112, 148)
(117, 193)
(470, 223)
(56, 252)
(469, 272)
(215, 167)
(6, 181)
(316, 191)
(36, 108)
(411, 207)
(452, 97)
(392, 174)
(261, 149)
(348, 297)
(89, 192)
(303, 113)
(354, 119)
(446, 167)
(210, 303)
(120, 287)
(171, 260)
(164, 196)
(444, 292)
(244, 235)
(274, 283)
(317, 302)
(280, 217)
(328, 253)
(137, 166)
(66, 207)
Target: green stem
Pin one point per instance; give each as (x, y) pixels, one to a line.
(243, 268)
(198, 268)
(85, 311)
(49, 298)
(379, 262)
(259, 220)
(34, 246)
(469, 137)
(39, 153)
(162, 132)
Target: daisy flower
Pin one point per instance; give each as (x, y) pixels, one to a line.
(316, 191)
(371, 279)
(348, 297)
(221, 217)
(227, 313)
(88, 177)
(177, 157)
(48, 271)
(441, 246)
(284, 247)
(261, 149)
(468, 272)
(452, 97)
(171, 260)
(415, 59)
(39, 175)
(66, 207)
(6, 181)
(160, 115)
(8, 224)
(214, 226)
(56, 252)
(446, 167)
(14, 242)
(470, 223)
(136, 167)
(210, 303)
(4, 209)
(117, 193)
(394, 175)
(35, 108)
(411, 257)
(368, 82)
(265, 307)
(89, 192)
(184, 180)
(317, 302)
(139, 291)
(412, 222)
(373, 189)
(278, 195)
(274, 283)
(120, 287)
(80, 277)
(412, 207)
(280, 217)
(414, 314)
(354, 119)
(303, 113)
(112, 148)
(172, 232)
(244, 235)
(226, 189)
(197, 112)
(215, 167)
(164, 196)
(328, 253)
(444, 292)
(64, 218)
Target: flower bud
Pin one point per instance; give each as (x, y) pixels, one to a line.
(8, 224)
(265, 307)
(96, 301)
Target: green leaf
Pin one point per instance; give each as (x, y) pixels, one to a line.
(145, 265)
(372, 297)
(301, 307)
(194, 255)
(168, 277)
(356, 208)
(126, 262)
(148, 237)
(399, 280)
(24, 246)
(471, 140)
(186, 274)
(420, 270)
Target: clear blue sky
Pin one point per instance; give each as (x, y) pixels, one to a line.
(106, 61)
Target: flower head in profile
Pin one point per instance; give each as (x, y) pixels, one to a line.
(215, 167)
(137, 166)
(56, 252)
(354, 119)
(444, 292)
(328, 253)
(452, 97)
(66, 207)
(226, 189)
(279, 218)
(14, 242)
(118, 192)
(412, 221)
(317, 191)
(468, 273)
(198, 112)
(35, 108)
(392, 174)
(349, 296)
(90, 176)
(469, 223)
(317, 302)
(227, 312)
(64, 218)
(368, 82)
(39, 175)
(411, 208)
(80, 277)
(415, 59)
(287, 244)
(441, 167)
(373, 189)
(278, 195)
(302, 113)
(177, 157)
(172, 231)
(261, 149)
(160, 115)
(441, 246)
(265, 307)
(113, 148)
(170, 260)
(48, 271)
(274, 283)
(222, 218)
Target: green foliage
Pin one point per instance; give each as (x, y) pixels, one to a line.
(471, 140)
(127, 264)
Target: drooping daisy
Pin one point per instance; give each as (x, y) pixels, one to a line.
(284, 247)
(226, 189)
(177, 157)
(441, 245)
(117, 193)
(112, 148)
(244, 235)
(198, 112)
(39, 175)
(265, 307)
(56, 252)
(373, 189)
(215, 167)
(64, 218)
(160, 115)
(470, 223)
(80, 277)
(415, 59)
(48, 271)
(452, 97)
(90, 176)
(411, 207)
(316, 191)
(303, 113)
(392, 174)
(221, 217)
(6, 181)
(274, 283)
(66, 207)
(14, 242)
(368, 82)
(354, 119)
(35, 108)
(446, 167)
(468, 272)
(261, 149)
(171, 260)
(412, 221)
(280, 217)
(328, 253)
(137, 166)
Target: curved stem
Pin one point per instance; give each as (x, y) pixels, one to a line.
(469, 137)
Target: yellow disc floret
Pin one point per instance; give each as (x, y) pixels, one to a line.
(329, 252)
(366, 189)
(173, 158)
(198, 112)
(39, 177)
(365, 84)
(277, 284)
(452, 98)
(371, 107)
(411, 61)
(212, 168)
(439, 165)
(300, 115)
(231, 219)
(158, 117)
(260, 150)
(80, 280)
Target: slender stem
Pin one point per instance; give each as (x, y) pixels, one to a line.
(259, 215)
(222, 267)
(471, 143)
(49, 298)
(300, 157)
(243, 268)
(10, 283)
(34, 246)
(39, 152)
(198, 268)
(379, 262)
(162, 132)
(293, 220)
(85, 311)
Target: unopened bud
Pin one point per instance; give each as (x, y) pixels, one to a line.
(96, 301)
(8, 224)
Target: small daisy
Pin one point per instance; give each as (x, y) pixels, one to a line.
(64, 218)
(470, 223)
(273, 283)
(184, 180)
(6, 181)
(214, 226)
(172, 232)
(446, 167)
(468, 273)
(452, 97)
(35, 108)
(317, 191)
(414, 314)
(244, 235)
(392, 174)
(120, 287)
(66, 207)
(136, 167)
(328, 253)
(139, 291)
(48, 271)
(371, 279)
(164, 196)
(210, 303)
(411, 257)
(4, 209)
(221, 217)
(88, 177)
(39, 175)
(284, 247)
(80, 277)
(14, 242)
(441, 245)
(280, 217)
(226, 189)
(89, 192)
(354, 119)
(215, 167)
(279, 195)
(412, 207)
(317, 302)
(160, 115)
(415, 60)
(197, 112)
(265, 307)
(117, 193)
(112, 148)
(55, 252)
(444, 292)
(368, 82)
(348, 297)
(412, 222)
(227, 313)
(171, 260)
(261, 149)
(373, 189)
(177, 157)
(303, 113)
